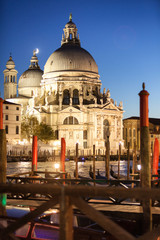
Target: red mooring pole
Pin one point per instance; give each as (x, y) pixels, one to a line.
(3, 160)
(155, 157)
(63, 150)
(145, 157)
(34, 153)
(1, 113)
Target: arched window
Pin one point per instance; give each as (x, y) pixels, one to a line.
(6, 128)
(126, 137)
(85, 134)
(130, 132)
(66, 97)
(17, 129)
(75, 97)
(70, 121)
(134, 132)
(70, 36)
(11, 78)
(130, 137)
(56, 134)
(106, 132)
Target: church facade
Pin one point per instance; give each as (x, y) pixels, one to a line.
(67, 96)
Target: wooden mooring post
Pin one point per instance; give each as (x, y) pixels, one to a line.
(128, 161)
(34, 154)
(107, 159)
(76, 160)
(145, 157)
(63, 151)
(155, 157)
(94, 166)
(3, 160)
(1, 113)
(134, 163)
(66, 217)
(119, 158)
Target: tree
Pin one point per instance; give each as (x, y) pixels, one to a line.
(30, 126)
(45, 133)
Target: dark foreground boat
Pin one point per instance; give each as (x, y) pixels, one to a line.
(47, 227)
(81, 177)
(98, 176)
(115, 175)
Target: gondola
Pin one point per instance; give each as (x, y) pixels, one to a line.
(115, 175)
(81, 177)
(98, 176)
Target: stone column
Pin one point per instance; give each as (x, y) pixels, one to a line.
(101, 127)
(60, 101)
(95, 125)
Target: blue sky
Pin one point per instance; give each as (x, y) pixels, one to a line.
(123, 36)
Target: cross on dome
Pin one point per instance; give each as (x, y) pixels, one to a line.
(70, 17)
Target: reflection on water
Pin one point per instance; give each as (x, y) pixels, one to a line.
(83, 167)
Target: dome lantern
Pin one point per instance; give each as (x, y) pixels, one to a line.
(34, 61)
(70, 33)
(10, 63)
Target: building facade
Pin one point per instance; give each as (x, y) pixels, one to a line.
(131, 132)
(67, 96)
(12, 121)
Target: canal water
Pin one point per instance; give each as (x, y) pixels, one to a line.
(83, 167)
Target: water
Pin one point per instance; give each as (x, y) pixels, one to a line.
(83, 167)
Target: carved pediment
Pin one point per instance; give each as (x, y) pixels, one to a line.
(110, 106)
(71, 110)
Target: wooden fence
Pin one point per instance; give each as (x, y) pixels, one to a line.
(69, 196)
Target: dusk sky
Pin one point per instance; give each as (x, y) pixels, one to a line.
(123, 36)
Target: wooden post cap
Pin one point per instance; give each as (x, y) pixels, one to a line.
(144, 121)
(143, 92)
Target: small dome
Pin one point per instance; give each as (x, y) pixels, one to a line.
(10, 63)
(70, 24)
(30, 78)
(71, 57)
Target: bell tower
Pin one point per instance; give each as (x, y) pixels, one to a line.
(10, 79)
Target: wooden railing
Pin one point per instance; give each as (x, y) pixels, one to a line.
(68, 196)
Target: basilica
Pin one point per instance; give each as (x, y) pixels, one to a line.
(67, 96)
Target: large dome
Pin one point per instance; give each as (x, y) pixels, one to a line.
(70, 57)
